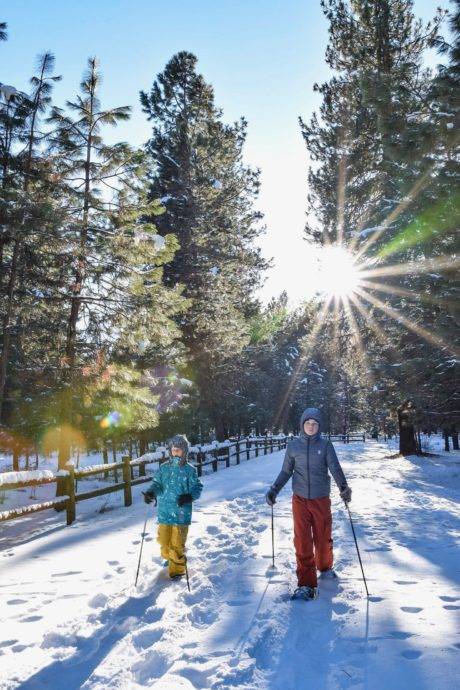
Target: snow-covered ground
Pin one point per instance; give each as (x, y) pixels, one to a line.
(72, 619)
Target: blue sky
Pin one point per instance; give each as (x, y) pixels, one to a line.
(262, 57)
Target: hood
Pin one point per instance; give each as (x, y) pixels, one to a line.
(179, 441)
(311, 413)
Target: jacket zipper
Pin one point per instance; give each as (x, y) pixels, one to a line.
(308, 464)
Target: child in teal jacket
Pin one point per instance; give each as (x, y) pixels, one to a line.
(175, 485)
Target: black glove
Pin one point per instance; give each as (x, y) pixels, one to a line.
(149, 497)
(345, 493)
(184, 499)
(270, 496)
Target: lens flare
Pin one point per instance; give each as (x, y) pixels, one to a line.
(110, 420)
(54, 437)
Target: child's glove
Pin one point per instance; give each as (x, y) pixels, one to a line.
(149, 497)
(345, 493)
(184, 499)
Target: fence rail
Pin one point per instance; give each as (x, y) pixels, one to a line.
(200, 456)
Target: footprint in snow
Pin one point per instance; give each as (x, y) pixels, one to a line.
(113, 562)
(201, 617)
(20, 647)
(260, 528)
(378, 548)
(152, 666)
(8, 643)
(405, 582)
(153, 614)
(411, 609)
(69, 572)
(212, 529)
(376, 599)
(14, 602)
(30, 619)
(400, 635)
(451, 607)
(411, 654)
(446, 598)
(340, 608)
(98, 602)
(147, 638)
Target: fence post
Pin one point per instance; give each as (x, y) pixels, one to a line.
(237, 452)
(199, 458)
(248, 449)
(214, 462)
(70, 481)
(127, 480)
(364, 437)
(227, 459)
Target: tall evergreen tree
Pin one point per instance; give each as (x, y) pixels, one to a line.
(374, 145)
(198, 174)
(113, 285)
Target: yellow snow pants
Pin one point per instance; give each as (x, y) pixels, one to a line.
(172, 540)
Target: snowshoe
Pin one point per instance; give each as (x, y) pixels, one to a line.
(179, 576)
(305, 592)
(328, 574)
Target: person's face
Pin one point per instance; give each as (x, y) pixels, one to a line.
(177, 452)
(310, 426)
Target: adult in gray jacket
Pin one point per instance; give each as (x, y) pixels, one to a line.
(308, 460)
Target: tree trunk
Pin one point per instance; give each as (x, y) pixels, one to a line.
(407, 442)
(445, 434)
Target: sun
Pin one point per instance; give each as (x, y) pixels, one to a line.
(338, 273)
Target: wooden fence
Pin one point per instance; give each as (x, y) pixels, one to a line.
(204, 456)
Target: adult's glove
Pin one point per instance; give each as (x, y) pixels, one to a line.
(149, 497)
(345, 493)
(184, 499)
(270, 496)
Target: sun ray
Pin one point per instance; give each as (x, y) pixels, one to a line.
(396, 290)
(445, 263)
(415, 328)
(357, 336)
(341, 192)
(299, 367)
(381, 337)
(403, 204)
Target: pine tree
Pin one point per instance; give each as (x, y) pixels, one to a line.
(374, 144)
(32, 205)
(207, 192)
(114, 285)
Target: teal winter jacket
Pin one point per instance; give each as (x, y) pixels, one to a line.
(172, 479)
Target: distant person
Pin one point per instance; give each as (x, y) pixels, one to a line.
(175, 486)
(308, 460)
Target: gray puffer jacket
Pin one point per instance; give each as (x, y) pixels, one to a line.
(308, 460)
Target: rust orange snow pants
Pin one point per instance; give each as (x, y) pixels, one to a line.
(312, 537)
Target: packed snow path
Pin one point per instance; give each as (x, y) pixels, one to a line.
(72, 619)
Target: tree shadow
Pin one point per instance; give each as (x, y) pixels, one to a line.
(72, 672)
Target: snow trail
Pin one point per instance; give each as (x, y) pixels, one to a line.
(72, 618)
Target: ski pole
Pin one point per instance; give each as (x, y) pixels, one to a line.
(273, 540)
(357, 549)
(142, 544)
(186, 573)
